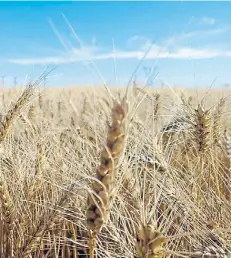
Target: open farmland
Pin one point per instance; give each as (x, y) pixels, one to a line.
(138, 175)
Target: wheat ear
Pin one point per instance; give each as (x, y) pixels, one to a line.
(7, 219)
(150, 242)
(202, 129)
(99, 200)
(13, 111)
(217, 120)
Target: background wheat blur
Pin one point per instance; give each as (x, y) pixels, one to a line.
(85, 174)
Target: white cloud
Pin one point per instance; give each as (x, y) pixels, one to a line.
(175, 47)
(196, 34)
(208, 20)
(186, 52)
(74, 55)
(205, 33)
(156, 52)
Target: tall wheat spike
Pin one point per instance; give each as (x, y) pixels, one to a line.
(99, 199)
(202, 129)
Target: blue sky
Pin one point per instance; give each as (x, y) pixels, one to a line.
(191, 42)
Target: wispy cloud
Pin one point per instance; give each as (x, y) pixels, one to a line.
(175, 47)
(183, 37)
(205, 33)
(139, 42)
(72, 55)
(207, 20)
(156, 52)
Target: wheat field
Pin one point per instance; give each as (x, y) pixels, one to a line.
(143, 173)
